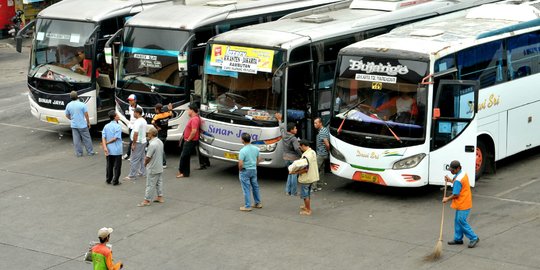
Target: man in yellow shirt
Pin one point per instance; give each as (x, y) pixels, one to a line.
(307, 176)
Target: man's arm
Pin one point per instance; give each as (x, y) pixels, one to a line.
(192, 134)
(104, 146)
(326, 144)
(135, 138)
(240, 165)
(87, 119)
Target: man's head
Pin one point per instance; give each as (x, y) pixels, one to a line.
(317, 123)
(137, 112)
(132, 99)
(158, 107)
(246, 138)
(291, 128)
(151, 133)
(454, 167)
(193, 109)
(104, 234)
(113, 115)
(73, 95)
(304, 145)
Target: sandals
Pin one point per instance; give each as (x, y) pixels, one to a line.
(159, 200)
(305, 213)
(143, 204)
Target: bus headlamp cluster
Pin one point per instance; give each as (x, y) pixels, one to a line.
(267, 147)
(206, 137)
(409, 162)
(337, 154)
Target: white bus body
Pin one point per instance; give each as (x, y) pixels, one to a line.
(288, 66)
(61, 32)
(153, 40)
(493, 49)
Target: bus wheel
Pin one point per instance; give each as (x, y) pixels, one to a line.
(481, 159)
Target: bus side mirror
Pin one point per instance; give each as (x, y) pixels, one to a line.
(108, 55)
(276, 85)
(197, 85)
(436, 113)
(18, 40)
(182, 62)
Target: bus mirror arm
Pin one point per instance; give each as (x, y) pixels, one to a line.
(436, 113)
(277, 83)
(108, 46)
(182, 56)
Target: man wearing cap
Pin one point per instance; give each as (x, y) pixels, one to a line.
(461, 201)
(77, 112)
(191, 140)
(102, 254)
(138, 143)
(132, 99)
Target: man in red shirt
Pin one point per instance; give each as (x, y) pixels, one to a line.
(191, 140)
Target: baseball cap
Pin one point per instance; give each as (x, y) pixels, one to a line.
(132, 97)
(454, 164)
(104, 232)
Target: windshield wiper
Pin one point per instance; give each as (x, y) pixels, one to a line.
(388, 127)
(346, 113)
(132, 79)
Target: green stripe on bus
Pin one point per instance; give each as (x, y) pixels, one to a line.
(367, 168)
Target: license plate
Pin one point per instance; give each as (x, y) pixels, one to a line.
(231, 155)
(50, 119)
(366, 177)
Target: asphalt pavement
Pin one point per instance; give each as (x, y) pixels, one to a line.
(52, 205)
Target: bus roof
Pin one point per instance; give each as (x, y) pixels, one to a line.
(338, 19)
(94, 10)
(452, 32)
(179, 16)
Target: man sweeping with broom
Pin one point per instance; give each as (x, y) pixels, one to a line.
(461, 201)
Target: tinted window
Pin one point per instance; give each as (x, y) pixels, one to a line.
(483, 63)
(523, 53)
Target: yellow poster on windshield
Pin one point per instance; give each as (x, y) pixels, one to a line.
(241, 59)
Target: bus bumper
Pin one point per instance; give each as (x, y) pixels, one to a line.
(268, 159)
(51, 116)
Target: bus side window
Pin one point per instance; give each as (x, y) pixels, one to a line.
(522, 55)
(483, 62)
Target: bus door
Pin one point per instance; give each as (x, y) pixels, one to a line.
(322, 99)
(453, 129)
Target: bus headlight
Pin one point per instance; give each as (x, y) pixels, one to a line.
(267, 145)
(337, 154)
(206, 137)
(409, 162)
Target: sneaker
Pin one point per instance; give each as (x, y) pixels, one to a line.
(245, 209)
(125, 156)
(473, 243)
(455, 242)
(258, 205)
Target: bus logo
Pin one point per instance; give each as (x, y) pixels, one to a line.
(371, 67)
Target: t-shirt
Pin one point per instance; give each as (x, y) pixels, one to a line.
(155, 153)
(249, 155)
(321, 147)
(161, 120)
(193, 123)
(140, 127)
(76, 110)
(131, 112)
(312, 175)
(110, 131)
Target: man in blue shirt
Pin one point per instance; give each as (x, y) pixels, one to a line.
(247, 165)
(77, 112)
(111, 141)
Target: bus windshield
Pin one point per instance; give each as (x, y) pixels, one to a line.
(58, 55)
(377, 102)
(149, 66)
(238, 83)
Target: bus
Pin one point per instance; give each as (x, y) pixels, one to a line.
(457, 87)
(288, 66)
(67, 55)
(162, 51)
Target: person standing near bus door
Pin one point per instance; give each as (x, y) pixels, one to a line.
(322, 144)
(138, 138)
(291, 152)
(132, 99)
(154, 169)
(77, 112)
(161, 123)
(111, 141)
(307, 177)
(461, 201)
(247, 167)
(191, 140)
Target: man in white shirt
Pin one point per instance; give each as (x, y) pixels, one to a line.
(132, 99)
(138, 143)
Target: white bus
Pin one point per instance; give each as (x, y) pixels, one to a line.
(162, 50)
(67, 54)
(460, 86)
(288, 66)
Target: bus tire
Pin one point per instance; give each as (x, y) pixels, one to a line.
(482, 158)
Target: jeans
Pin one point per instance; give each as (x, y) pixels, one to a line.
(461, 226)
(187, 150)
(292, 182)
(153, 182)
(248, 180)
(137, 160)
(114, 166)
(305, 191)
(82, 134)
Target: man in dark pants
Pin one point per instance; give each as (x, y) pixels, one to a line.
(191, 140)
(111, 141)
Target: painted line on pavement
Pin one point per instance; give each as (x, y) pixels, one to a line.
(32, 128)
(516, 188)
(507, 200)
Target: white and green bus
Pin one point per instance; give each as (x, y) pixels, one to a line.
(456, 87)
(67, 54)
(162, 50)
(287, 66)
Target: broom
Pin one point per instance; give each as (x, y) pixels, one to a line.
(437, 251)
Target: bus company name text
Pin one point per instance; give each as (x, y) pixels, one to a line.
(369, 155)
(50, 101)
(227, 132)
(371, 67)
(491, 101)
